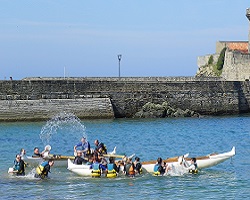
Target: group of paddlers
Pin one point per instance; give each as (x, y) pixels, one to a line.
(41, 171)
(97, 159)
(98, 162)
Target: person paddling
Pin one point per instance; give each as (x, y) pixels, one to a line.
(18, 167)
(100, 149)
(36, 153)
(159, 168)
(79, 160)
(43, 170)
(138, 166)
(193, 167)
(129, 168)
(84, 145)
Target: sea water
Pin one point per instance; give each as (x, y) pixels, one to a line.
(148, 139)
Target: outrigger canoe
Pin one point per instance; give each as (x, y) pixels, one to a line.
(202, 161)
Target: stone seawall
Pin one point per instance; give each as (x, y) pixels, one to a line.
(119, 97)
(44, 109)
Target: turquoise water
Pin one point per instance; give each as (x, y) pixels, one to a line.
(148, 139)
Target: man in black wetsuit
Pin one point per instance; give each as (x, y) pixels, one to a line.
(79, 160)
(100, 148)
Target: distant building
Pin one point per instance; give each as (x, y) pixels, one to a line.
(236, 64)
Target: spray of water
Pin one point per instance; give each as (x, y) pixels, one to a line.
(62, 128)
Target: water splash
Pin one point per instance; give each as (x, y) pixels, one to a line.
(177, 170)
(60, 128)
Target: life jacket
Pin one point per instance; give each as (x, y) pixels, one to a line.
(96, 172)
(156, 170)
(16, 165)
(111, 171)
(130, 169)
(195, 170)
(104, 148)
(41, 172)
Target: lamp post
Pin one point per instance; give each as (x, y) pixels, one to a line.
(119, 59)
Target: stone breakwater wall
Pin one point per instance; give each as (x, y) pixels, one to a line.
(42, 98)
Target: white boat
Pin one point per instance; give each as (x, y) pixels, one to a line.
(82, 170)
(202, 161)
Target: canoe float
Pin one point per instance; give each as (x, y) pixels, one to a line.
(60, 160)
(82, 170)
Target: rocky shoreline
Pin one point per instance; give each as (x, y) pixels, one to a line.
(164, 110)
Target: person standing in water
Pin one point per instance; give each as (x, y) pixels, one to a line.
(138, 165)
(18, 167)
(43, 170)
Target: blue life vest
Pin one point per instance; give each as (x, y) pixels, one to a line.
(45, 163)
(110, 166)
(16, 165)
(156, 167)
(111, 171)
(96, 166)
(96, 172)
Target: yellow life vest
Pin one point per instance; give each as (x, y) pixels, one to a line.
(96, 172)
(157, 173)
(193, 171)
(39, 169)
(111, 173)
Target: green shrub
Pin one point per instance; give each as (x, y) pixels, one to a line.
(221, 58)
(216, 71)
(211, 60)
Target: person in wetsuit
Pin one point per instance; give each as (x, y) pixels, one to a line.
(159, 167)
(18, 167)
(138, 165)
(129, 168)
(79, 160)
(36, 153)
(43, 170)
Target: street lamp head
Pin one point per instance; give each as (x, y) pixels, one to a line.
(119, 56)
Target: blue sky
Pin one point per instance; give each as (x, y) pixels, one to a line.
(155, 37)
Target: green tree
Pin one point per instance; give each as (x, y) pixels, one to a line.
(221, 59)
(211, 60)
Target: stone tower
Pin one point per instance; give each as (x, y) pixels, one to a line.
(248, 16)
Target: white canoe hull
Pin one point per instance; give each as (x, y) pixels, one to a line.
(82, 170)
(202, 162)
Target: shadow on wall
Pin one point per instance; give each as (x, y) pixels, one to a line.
(243, 104)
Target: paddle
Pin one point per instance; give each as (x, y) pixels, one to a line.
(54, 156)
(114, 156)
